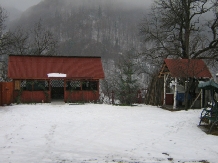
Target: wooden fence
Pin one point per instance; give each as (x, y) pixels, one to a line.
(6, 93)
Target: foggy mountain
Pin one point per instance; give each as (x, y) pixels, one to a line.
(12, 13)
(20, 5)
(88, 27)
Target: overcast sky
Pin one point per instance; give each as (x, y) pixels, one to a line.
(19, 4)
(24, 4)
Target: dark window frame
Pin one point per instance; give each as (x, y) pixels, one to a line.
(69, 86)
(35, 85)
(90, 85)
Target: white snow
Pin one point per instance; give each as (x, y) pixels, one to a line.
(47, 133)
(57, 75)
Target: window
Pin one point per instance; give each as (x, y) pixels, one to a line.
(73, 85)
(29, 85)
(40, 85)
(23, 84)
(58, 83)
(81, 85)
(35, 85)
(90, 85)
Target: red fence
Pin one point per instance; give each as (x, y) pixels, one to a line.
(6, 93)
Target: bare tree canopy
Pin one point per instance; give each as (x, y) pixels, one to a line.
(3, 37)
(3, 16)
(181, 29)
(43, 42)
(38, 41)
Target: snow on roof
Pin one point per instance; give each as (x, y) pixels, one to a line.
(57, 75)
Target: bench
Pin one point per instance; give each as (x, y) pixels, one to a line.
(210, 116)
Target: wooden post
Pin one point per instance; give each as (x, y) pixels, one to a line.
(202, 98)
(139, 97)
(112, 97)
(165, 83)
(175, 93)
(165, 79)
(65, 96)
(49, 88)
(200, 94)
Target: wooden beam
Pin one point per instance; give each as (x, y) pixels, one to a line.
(163, 71)
(175, 93)
(165, 81)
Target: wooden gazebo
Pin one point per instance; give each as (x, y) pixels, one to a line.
(182, 68)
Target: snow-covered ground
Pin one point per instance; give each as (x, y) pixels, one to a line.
(46, 133)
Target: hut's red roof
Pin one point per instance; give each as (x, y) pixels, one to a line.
(187, 68)
(37, 67)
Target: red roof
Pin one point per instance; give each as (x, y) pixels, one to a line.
(187, 68)
(37, 67)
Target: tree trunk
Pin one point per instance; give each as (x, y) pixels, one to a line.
(155, 91)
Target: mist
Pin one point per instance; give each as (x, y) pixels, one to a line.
(128, 4)
(21, 5)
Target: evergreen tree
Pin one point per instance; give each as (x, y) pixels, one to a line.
(127, 85)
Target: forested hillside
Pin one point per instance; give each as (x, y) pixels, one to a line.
(87, 28)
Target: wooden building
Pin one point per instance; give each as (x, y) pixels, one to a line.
(47, 78)
(181, 68)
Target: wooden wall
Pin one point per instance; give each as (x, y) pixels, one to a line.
(32, 97)
(81, 96)
(6, 93)
(25, 96)
(39, 96)
(169, 98)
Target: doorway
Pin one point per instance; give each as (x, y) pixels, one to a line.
(57, 89)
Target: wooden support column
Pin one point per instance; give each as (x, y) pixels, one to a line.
(165, 81)
(202, 98)
(164, 100)
(65, 94)
(175, 93)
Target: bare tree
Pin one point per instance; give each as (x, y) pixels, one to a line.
(3, 17)
(42, 41)
(107, 84)
(25, 42)
(2, 71)
(19, 42)
(181, 29)
(4, 41)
